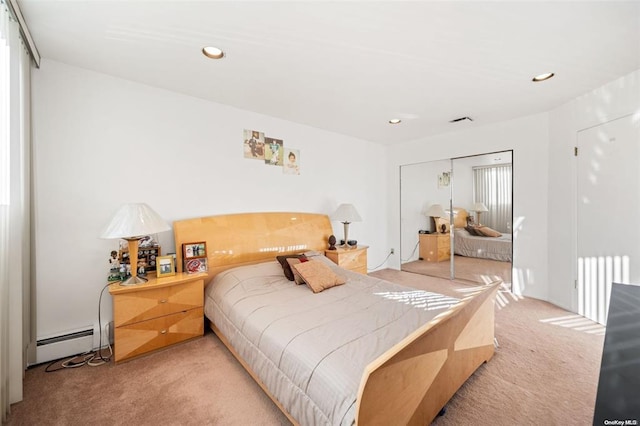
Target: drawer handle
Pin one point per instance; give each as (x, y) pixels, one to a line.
(163, 300)
(163, 332)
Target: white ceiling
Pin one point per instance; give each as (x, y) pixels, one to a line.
(349, 67)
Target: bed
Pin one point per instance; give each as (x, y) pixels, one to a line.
(482, 247)
(495, 248)
(323, 358)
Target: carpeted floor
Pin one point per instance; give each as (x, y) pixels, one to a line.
(544, 372)
(465, 269)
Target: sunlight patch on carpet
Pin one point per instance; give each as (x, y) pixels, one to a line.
(420, 299)
(578, 323)
(503, 297)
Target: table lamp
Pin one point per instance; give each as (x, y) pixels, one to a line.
(132, 222)
(435, 211)
(346, 213)
(479, 208)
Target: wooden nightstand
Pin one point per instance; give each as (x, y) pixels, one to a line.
(435, 247)
(353, 259)
(156, 314)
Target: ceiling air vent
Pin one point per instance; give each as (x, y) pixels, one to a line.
(455, 120)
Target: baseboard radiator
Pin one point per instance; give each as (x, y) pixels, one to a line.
(64, 345)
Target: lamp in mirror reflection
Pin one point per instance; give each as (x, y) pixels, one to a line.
(132, 222)
(436, 211)
(346, 213)
(479, 208)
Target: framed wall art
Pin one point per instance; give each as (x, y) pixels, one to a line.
(291, 162)
(274, 151)
(253, 144)
(444, 179)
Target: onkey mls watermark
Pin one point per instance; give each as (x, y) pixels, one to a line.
(627, 422)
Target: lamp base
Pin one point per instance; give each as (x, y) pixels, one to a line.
(345, 244)
(134, 281)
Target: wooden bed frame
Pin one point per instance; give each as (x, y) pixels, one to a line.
(408, 384)
(459, 218)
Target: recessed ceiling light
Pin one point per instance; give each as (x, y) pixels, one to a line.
(395, 121)
(543, 77)
(212, 52)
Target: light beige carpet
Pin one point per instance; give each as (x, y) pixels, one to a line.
(465, 269)
(545, 372)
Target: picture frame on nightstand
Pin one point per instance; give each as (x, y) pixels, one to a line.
(195, 265)
(194, 250)
(194, 256)
(165, 266)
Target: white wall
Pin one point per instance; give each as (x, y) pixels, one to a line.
(613, 100)
(529, 139)
(91, 132)
(101, 141)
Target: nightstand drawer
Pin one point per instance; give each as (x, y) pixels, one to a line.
(139, 338)
(435, 247)
(142, 305)
(444, 248)
(353, 259)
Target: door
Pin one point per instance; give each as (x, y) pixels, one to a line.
(608, 168)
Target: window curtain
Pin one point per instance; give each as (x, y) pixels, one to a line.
(492, 186)
(15, 210)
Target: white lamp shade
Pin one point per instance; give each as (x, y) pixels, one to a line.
(134, 220)
(479, 207)
(346, 213)
(435, 210)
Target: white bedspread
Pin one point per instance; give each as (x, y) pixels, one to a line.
(496, 248)
(310, 350)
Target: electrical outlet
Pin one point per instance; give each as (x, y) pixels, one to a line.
(393, 251)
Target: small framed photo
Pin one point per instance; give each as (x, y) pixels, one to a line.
(444, 179)
(165, 266)
(194, 250)
(195, 265)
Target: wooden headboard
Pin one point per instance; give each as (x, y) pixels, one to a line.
(460, 217)
(248, 238)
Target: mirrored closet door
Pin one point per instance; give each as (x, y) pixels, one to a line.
(456, 217)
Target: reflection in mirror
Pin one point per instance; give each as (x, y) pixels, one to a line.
(477, 247)
(423, 191)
